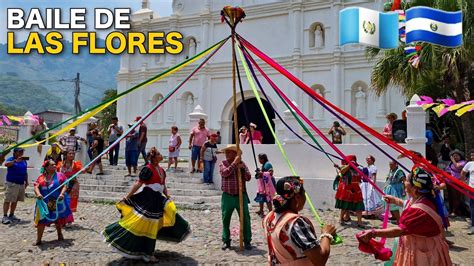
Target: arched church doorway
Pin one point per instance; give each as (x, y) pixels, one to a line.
(255, 116)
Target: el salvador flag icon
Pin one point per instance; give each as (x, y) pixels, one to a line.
(425, 24)
(370, 27)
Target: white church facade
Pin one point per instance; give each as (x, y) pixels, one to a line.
(300, 35)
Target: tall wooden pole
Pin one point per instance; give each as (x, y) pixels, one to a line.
(237, 143)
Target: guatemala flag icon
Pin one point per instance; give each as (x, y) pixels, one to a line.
(425, 24)
(370, 27)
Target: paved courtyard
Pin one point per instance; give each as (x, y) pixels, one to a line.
(83, 243)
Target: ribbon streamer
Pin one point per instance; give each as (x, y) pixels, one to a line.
(417, 160)
(153, 79)
(144, 117)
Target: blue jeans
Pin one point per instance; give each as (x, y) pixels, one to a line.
(142, 151)
(208, 171)
(131, 158)
(196, 153)
(114, 154)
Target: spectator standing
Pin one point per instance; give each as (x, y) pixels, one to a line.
(197, 137)
(257, 136)
(469, 170)
(243, 135)
(131, 152)
(90, 138)
(115, 131)
(230, 196)
(38, 129)
(219, 138)
(15, 185)
(142, 139)
(336, 133)
(387, 130)
(97, 148)
(444, 151)
(54, 153)
(174, 148)
(70, 142)
(209, 158)
(455, 198)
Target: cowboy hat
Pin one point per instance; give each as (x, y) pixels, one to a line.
(231, 147)
(253, 125)
(458, 152)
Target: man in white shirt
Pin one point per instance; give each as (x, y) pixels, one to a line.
(469, 169)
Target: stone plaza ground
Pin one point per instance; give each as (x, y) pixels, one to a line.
(83, 243)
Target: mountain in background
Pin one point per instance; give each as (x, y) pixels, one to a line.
(50, 78)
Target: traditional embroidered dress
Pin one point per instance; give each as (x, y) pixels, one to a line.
(372, 199)
(289, 235)
(143, 215)
(68, 171)
(394, 186)
(422, 242)
(265, 188)
(59, 212)
(349, 195)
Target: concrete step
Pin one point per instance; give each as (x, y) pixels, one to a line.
(172, 191)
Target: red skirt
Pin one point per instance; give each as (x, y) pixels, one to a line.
(349, 192)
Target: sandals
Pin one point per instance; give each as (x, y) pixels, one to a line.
(100, 174)
(37, 243)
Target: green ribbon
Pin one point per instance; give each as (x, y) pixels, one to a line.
(146, 82)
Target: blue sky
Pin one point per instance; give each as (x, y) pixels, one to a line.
(162, 7)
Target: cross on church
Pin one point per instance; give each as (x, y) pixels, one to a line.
(145, 4)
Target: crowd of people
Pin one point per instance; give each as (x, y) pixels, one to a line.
(148, 214)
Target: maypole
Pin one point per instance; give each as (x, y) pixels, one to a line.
(232, 16)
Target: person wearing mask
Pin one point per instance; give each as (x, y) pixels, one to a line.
(115, 131)
(336, 132)
(291, 237)
(15, 185)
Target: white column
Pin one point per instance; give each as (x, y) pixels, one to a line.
(382, 105)
(416, 127)
(291, 121)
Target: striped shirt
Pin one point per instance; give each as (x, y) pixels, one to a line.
(302, 234)
(228, 172)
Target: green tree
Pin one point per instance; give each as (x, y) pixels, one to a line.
(108, 113)
(443, 72)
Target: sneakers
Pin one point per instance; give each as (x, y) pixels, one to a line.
(13, 218)
(6, 220)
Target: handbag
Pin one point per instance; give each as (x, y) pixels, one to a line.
(171, 149)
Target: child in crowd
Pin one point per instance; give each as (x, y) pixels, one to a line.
(266, 184)
(209, 158)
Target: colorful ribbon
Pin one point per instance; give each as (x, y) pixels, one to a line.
(417, 160)
(145, 116)
(337, 239)
(153, 79)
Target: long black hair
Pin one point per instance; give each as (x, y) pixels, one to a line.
(264, 157)
(286, 189)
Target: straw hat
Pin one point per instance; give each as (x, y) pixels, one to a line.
(231, 147)
(253, 125)
(456, 151)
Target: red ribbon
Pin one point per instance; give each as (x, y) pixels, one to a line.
(317, 130)
(417, 160)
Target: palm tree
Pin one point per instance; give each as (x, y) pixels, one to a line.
(443, 72)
